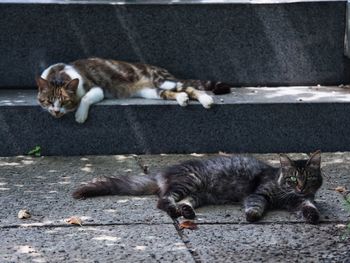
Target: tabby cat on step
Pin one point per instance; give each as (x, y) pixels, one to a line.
(67, 87)
(223, 180)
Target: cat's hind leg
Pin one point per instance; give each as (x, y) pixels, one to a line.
(186, 206)
(254, 206)
(156, 93)
(168, 204)
(168, 201)
(181, 97)
(204, 99)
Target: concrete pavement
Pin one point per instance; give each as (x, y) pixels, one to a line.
(131, 229)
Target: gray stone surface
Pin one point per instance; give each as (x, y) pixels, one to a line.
(132, 243)
(248, 120)
(44, 186)
(245, 44)
(131, 229)
(269, 243)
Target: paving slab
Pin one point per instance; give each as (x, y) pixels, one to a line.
(132, 243)
(44, 186)
(270, 243)
(131, 229)
(335, 167)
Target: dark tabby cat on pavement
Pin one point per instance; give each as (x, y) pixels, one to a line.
(67, 87)
(223, 180)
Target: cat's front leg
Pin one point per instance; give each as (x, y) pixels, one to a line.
(310, 211)
(93, 96)
(254, 206)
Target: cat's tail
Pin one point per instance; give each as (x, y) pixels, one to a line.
(119, 185)
(216, 87)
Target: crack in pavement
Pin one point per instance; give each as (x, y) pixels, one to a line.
(187, 242)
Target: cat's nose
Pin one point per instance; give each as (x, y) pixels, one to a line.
(56, 112)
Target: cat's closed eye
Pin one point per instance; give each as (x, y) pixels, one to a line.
(44, 101)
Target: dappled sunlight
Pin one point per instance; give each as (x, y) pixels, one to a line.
(142, 248)
(197, 155)
(110, 211)
(9, 163)
(27, 249)
(122, 157)
(27, 162)
(17, 162)
(123, 201)
(106, 238)
(293, 94)
(37, 224)
(87, 168)
(178, 246)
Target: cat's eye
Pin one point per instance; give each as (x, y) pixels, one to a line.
(293, 179)
(44, 101)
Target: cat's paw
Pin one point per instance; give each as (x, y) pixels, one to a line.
(81, 115)
(311, 214)
(186, 211)
(182, 98)
(253, 214)
(206, 100)
(166, 205)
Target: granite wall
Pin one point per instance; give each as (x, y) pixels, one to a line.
(244, 44)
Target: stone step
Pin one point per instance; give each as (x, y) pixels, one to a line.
(243, 42)
(261, 120)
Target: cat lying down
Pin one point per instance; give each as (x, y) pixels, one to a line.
(223, 180)
(65, 88)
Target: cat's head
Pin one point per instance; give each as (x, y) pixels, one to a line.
(302, 177)
(58, 97)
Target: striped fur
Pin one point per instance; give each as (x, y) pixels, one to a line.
(119, 79)
(224, 180)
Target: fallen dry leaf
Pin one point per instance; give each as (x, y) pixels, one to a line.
(188, 225)
(340, 189)
(24, 214)
(74, 220)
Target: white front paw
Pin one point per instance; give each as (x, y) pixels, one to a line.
(182, 98)
(206, 100)
(81, 115)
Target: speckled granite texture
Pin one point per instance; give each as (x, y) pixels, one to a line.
(131, 228)
(243, 44)
(239, 122)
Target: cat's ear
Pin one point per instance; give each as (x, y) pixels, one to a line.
(43, 84)
(72, 86)
(315, 160)
(285, 161)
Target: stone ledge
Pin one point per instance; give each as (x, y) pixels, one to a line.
(299, 119)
